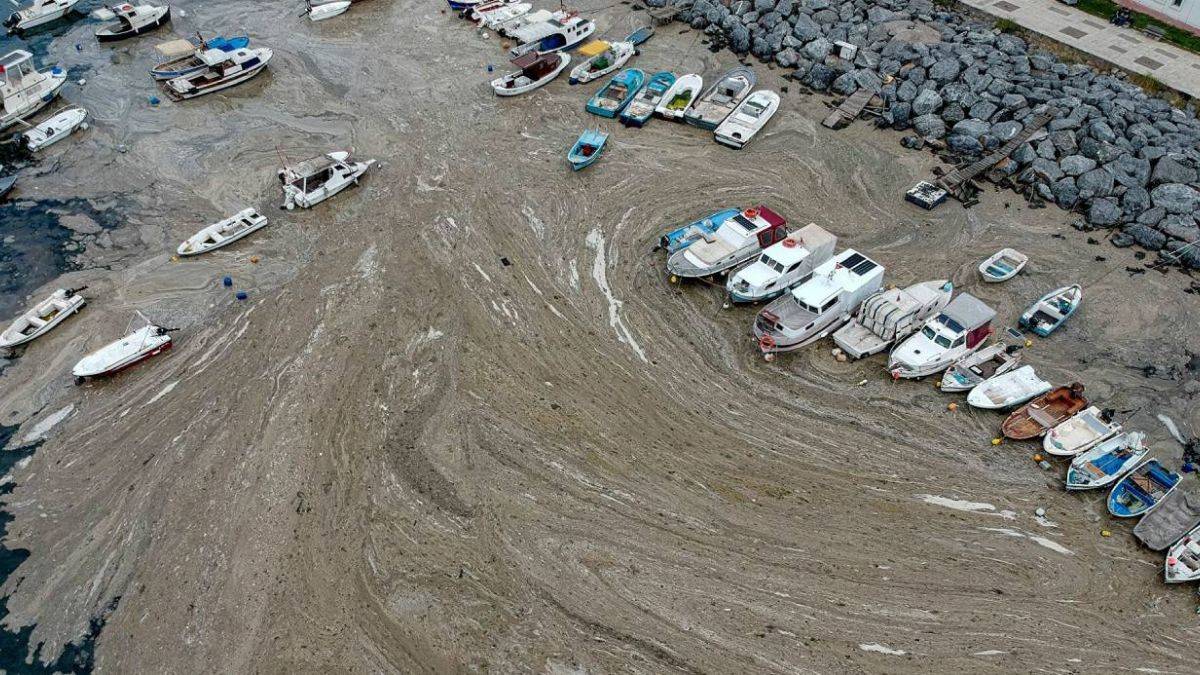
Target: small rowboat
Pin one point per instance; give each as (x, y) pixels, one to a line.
(587, 149)
(224, 232)
(679, 98)
(714, 105)
(1005, 391)
(1079, 433)
(535, 71)
(614, 96)
(1052, 310)
(747, 119)
(1142, 490)
(327, 10)
(1107, 462)
(642, 108)
(682, 237)
(60, 125)
(131, 20)
(981, 366)
(43, 317)
(1183, 560)
(1003, 265)
(1044, 413)
(116, 356)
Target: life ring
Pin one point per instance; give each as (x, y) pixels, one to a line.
(790, 243)
(750, 213)
(766, 343)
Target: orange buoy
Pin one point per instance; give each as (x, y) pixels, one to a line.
(750, 213)
(254, 259)
(790, 243)
(1037, 457)
(952, 407)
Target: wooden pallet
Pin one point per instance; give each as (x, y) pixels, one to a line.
(665, 14)
(956, 180)
(849, 110)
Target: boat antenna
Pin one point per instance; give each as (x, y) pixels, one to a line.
(282, 157)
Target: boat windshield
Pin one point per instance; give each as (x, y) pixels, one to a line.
(928, 332)
(950, 323)
(942, 341)
(771, 262)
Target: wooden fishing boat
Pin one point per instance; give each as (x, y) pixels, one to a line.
(38, 13)
(60, 125)
(116, 356)
(968, 372)
(641, 109)
(1044, 412)
(747, 119)
(601, 58)
(587, 149)
(1052, 310)
(1176, 515)
(190, 62)
(326, 10)
(314, 180)
(1007, 390)
(223, 233)
(131, 20)
(1141, 489)
(614, 96)
(686, 235)
(222, 70)
(1107, 461)
(536, 70)
(43, 317)
(708, 111)
(1078, 434)
(1003, 265)
(24, 89)
(678, 99)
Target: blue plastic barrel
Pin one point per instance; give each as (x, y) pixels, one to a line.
(241, 295)
(228, 281)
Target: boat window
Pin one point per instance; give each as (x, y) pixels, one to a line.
(927, 332)
(942, 341)
(950, 323)
(778, 267)
(959, 342)
(826, 306)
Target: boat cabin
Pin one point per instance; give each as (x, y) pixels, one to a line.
(784, 264)
(535, 66)
(965, 320)
(552, 35)
(23, 88)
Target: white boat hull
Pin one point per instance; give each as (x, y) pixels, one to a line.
(176, 90)
(218, 235)
(688, 83)
(62, 306)
(327, 10)
(117, 356)
(35, 101)
(55, 129)
(27, 21)
(501, 90)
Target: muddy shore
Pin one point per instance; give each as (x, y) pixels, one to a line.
(401, 454)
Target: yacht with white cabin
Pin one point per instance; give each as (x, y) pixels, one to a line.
(960, 329)
(782, 265)
(24, 89)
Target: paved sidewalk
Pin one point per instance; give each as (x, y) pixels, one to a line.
(1125, 47)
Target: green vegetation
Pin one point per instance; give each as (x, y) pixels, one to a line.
(1008, 26)
(1176, 36)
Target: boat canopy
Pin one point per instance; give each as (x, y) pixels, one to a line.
(594, 48)
(526, 60)
(968, 312)
(175, 48)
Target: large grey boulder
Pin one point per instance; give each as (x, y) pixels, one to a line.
(1180, 226)
(819, 77)
(787, 58)
(1065, 193)
(1103, 212)
(1146, 236)
(1152, 216)
(973, 128)
(967, 145)
(1095, 183)
(845, 84)
(1077, 165)
(739, 39)
(1172, 169)
(1135, 201)
(928, 101)
(1005, 131)
(1176, 198)
(806, 29)
(983, 110)
(1046, 169)
(818, 49)
(1010, 44)
(944, 71)
(929, 126)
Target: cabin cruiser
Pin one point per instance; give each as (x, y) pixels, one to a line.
(222, 70)
(130, 21)
(314, 180)
(891, 315)
(957, 331)
(782, 265)
(721, 98)
(25, 90)
(552, 36)
(510, 27)
(820, 305)
(686, 235)
(38, 13)
(737, 240)
(747, 119)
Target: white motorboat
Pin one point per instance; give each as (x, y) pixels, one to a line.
(782, 265)
(738, 239)
(507, 27)
(678, 99)
(116, 356)
(535, 71)
(130, 20)
(1183, 559)
(314, 180)
(183, 56)
(1078, 434)
(747, 119)
(891, 315)
(326, 10)
(25, 90)
(222, 70)
(995, 359)
(958, 330)
(493, 14)
(1010, 389)
(60, 125)
(1107, 461)
(551, 36)
(38, 13)
(42, 317)
(603, 58)
(223, 233)
(1002, 265)
(708, 111)
(819, 306)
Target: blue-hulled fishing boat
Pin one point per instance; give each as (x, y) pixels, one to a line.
(1108, 461)
(1052, 310)
(643, 105)
(587, 149)
(1142, 490)
(614, 96)
(460, 5)
(683, 237)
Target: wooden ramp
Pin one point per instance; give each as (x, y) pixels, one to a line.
(954, 181)
(665, 14)
(849, 110)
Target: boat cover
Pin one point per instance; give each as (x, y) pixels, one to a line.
(969, 311)
(593, 48)
(173, 49)
(1177, 515)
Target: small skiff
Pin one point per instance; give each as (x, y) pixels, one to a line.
(993, 360)
(316, 179)
(38, 13)
(1142, 489)
(1107, 461)
(1044, 413)
(535, 71)
(747, 119)
(190, 62)
(6, 185)
(614, 96)
(602, 58)
(1183, 560)
(714, 105)
(1052, 310)
(1079, 434)
(131, 20)
(139, 345)
(1003, 265)
(587, 149)
(678, 99)
(682, 237)
(1005, 391)
(60, 125)
(641, 109)
(42, 317)
(222, 70)
(223, 233)
(327, 10)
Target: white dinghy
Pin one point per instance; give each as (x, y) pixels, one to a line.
(602, 58)
(60, 125)
(314, 180)
(223, 233)
(747, 119)
(130, 20)
(679, 98)
(1106, 462)
(1002, 265)
(38, 13)
(1005, 391)
(116, 356)
(326, 10)
(43, 317)
(1079, 434)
